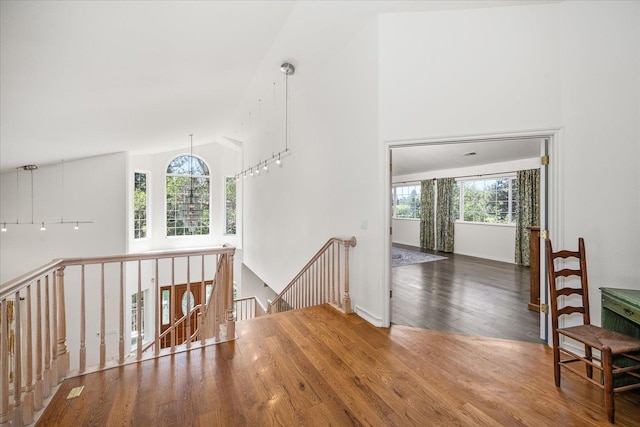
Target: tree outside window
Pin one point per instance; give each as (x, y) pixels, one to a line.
(230, 205)
(140, 205)
(188, 195)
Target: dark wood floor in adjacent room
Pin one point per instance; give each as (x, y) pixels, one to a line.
(465, 295)
(317, 367)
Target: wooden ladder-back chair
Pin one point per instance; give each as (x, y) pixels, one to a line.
(612, 346)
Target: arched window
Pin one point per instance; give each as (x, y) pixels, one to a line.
(188, 196)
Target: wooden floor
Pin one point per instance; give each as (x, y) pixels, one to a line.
(318, 367)
(465, 295)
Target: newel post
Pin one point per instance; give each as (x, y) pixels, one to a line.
(231, 324)
(347, 298)
(5, 419)
(61, 344)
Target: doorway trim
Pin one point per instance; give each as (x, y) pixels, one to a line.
(554, 197)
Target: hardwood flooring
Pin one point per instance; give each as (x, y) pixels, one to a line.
(316, 367)
(465, 295)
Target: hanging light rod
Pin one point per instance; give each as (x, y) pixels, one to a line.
(276, 158)
(4, 228)
(288, 70)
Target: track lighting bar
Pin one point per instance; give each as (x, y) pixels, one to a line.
(276, 158)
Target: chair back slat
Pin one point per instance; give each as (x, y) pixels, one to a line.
(567, 272)
(566, 254)
(554, 272)
(570, 310)
(569, 291)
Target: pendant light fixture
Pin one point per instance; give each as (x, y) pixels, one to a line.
(288, 70)
(192, 207)
(43, 225)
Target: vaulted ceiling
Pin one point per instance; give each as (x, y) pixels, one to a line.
(85, 78)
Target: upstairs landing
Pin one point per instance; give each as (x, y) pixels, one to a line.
(316, 366)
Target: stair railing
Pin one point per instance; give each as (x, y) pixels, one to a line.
(39, 348)
(324, 279)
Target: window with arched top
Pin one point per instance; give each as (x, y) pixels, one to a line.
(188, 195)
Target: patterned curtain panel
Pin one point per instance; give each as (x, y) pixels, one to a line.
(444, 216)
(527, 211)
(427, 239)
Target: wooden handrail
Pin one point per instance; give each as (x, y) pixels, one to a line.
(314, 289)
(40, 357)
(11, 286)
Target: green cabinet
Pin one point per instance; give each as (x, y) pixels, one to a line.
(621, 313)
(621, 310)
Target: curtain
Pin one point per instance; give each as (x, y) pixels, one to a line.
(444, 215)
(427, 238)
(527, 211)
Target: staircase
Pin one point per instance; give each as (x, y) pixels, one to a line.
(40, 348)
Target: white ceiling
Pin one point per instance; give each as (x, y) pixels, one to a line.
(85, 78)
(435, 157)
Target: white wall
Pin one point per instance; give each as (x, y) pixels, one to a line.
(490, 241)
(93, 190)
(572, 65)
(331, 180)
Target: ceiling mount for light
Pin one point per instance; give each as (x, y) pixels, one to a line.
(287, 68)
(470, 153)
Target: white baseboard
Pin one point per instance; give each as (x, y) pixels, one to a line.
(375, 321)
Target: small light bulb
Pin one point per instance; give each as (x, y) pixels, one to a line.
(251, 171)
(42, 227)
(77, 226)
(278, 161)
(4, 227)
(265, 167)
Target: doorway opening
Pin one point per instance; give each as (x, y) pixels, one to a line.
(477, 288)
(181, 307)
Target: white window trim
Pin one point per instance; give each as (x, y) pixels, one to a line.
(133, 209)
(393, 199)
(510, 176)
(164, 201)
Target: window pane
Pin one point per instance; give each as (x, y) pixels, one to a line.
(140, 205)
(165, 307)
(406, 201)
(187, 165)
(488, 200)
(187, 203)
(230, 206)
(137, 311)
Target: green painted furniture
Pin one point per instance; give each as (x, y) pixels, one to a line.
(621, 313)
(621, 310)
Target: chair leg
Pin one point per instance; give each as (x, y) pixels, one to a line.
(607, 370)
(588, 356)
(556, 360)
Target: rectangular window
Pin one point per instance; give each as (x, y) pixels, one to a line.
(406, 201)
(230, 205)
(490, 200)
(187, 205)
(140, 205)
(137, 311)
